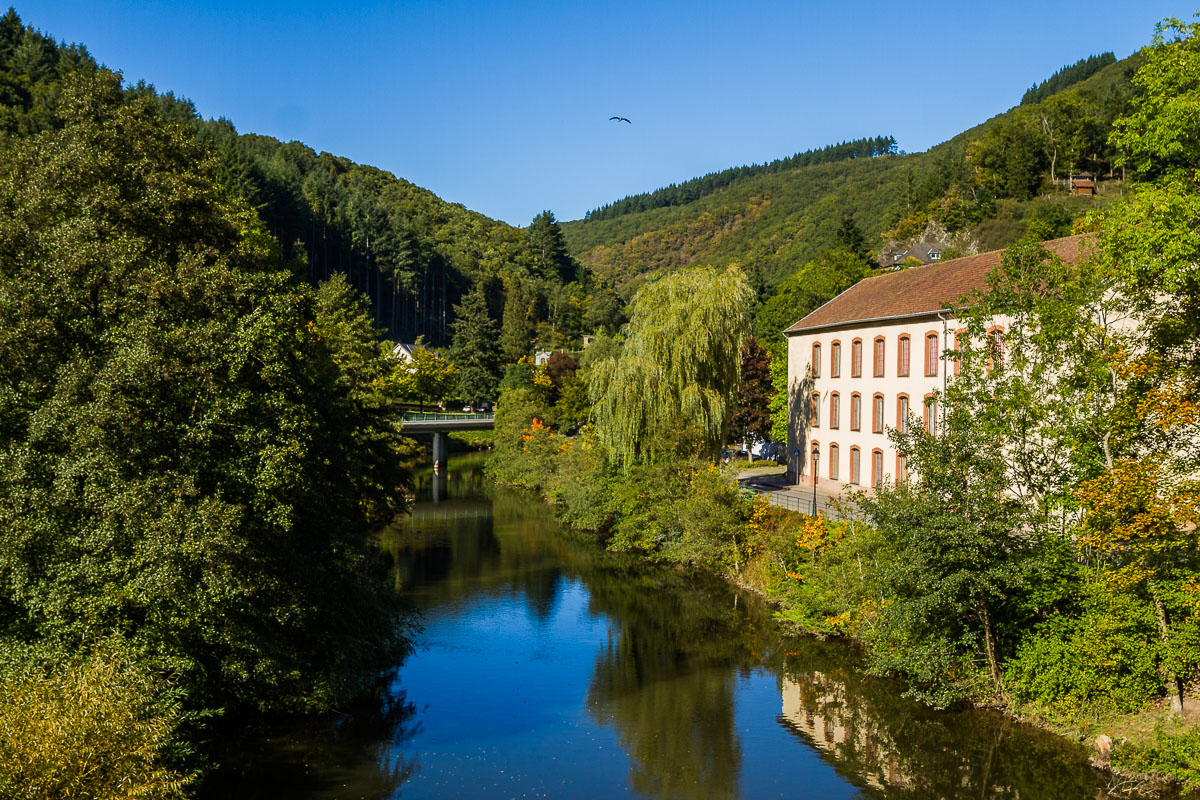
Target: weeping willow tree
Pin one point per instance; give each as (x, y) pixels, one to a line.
(677, 373)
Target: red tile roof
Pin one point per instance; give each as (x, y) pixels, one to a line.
(918, 290)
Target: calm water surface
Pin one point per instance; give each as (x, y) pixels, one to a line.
(548, 668)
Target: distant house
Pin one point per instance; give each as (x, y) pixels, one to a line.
(404, 352)
(925, 252)
(540, 357)
(871, 359)
(1083, 185)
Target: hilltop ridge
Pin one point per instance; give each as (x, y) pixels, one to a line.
(981, 189)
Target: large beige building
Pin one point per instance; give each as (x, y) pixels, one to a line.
(870, 359)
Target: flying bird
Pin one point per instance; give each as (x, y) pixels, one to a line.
(619, 119)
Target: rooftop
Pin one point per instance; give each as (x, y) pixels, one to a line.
(919, 290)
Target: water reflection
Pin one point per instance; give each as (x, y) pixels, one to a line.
(551, 667)
(346, 755)
(896, 749)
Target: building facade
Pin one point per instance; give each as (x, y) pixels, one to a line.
(872, 359)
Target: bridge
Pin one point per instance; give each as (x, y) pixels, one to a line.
(442, 424)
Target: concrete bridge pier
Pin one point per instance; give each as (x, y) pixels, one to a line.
(439, 452)
(440, 426)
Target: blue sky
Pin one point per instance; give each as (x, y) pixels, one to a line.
(504, 107)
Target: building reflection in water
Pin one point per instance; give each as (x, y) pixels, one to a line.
(892, 747)
(817, 709)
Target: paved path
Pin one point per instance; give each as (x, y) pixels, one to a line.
(785, 495)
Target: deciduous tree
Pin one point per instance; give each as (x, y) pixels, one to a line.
(189, 446)
(679, 368)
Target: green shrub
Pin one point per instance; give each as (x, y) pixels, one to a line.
(1107, 656)
(822, 572)
(1175, 753)
(680, 511)
(515, 464)
(581, 486)
(98, 725)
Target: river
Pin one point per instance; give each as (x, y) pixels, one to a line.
(546, 667)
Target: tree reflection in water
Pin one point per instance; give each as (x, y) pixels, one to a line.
(684, 656)
(357, 753)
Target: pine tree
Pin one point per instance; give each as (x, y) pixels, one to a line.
(850, 237)
(475, 350)
(516, 331)
(548, 249)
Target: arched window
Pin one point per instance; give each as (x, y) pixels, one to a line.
(854, 464)
(833, 462)
(903, 349)
(931, 355)
(816, 360)
(877, 414)
(877, 361)
(995, 342)
(876, 467)
(856, 412)
(902, 413)
(901, 469)
(835, 360)
(813, 462)
(856, 358)
(835, 410)
(815, 416)
(931, 414)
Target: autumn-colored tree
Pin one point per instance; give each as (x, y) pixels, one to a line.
(1140, 524)
(1142, 511)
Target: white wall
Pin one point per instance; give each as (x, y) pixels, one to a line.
(802, 384)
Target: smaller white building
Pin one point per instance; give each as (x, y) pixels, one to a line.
(870, 359)
(404, 352)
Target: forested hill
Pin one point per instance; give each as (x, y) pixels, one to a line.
(980, 190)
(690, 191)
(412, 253)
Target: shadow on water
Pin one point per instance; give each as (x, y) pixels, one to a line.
(697, 689)
(350, 754)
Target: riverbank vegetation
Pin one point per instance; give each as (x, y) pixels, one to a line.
(1044, 557)
(194, 442)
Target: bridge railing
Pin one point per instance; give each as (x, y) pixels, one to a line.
(432, 416)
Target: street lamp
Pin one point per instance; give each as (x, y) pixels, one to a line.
(816, 458)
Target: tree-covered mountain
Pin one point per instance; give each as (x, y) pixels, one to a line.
(413, 254)
(690, 191)
(981, 189)
(1066, 77)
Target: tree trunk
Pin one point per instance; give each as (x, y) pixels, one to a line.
(989, 643)
(1172, 683)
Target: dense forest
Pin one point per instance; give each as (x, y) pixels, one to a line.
(412, 254)
(690, 191)
(1066, 77)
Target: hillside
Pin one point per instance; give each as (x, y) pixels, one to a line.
(413, 254)
(983, 187)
